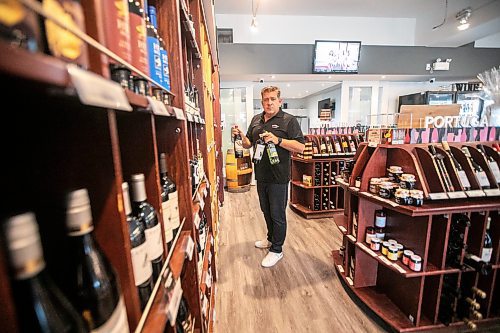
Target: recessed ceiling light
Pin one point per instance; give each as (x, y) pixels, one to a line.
(273, 76)
(383, 76)
(329, 76)
(322, 84)
(288, 84)
(307, 91)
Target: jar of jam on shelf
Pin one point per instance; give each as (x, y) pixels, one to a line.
(380, 218)
(392, 253)
(385, 248)
(407, 181)
(385, 190)
(380, 233)
(374, 184)
(406, 257)
(402, 196)
(417, 198)
(121, 75)
(394, 172)
(415, 263)
(358, 182)
(400, 248)
(370, 234)
(375, 244)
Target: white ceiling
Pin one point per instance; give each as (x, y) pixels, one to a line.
(293, 88)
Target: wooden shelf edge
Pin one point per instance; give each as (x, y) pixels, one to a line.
(341, 222)
(204, 270)
(326, 159)
(310, 214)
(300, 184)
(397, 265)
(244, 172)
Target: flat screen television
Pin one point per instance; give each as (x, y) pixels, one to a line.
(336, 56)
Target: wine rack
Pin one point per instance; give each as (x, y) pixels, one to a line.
(61, 143)
(450, 286)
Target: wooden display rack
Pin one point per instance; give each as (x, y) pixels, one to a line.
(409, 300)
(59, 144)
(238, 172)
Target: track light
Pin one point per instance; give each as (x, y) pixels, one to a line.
(463, 18)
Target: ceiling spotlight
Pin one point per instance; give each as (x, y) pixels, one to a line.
(463, 18)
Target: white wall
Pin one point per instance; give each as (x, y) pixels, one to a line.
(280, 29)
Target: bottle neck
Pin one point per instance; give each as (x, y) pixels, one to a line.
(138, 191)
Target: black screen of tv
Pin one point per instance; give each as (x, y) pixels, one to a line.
(336, 56)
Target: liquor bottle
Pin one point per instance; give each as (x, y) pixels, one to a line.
(477, 264)
(315, 149)
(40, 304)
(317, 174)
(491, 162)
(138, 37)
(238, 145)
(173, 197)
(345, 145)
(329, 147)
(441, 168)
(94, 287)
(323, 149)
(456, 240)
(166, 203)
(484, 183)
(272, 153)
(352, 144)
(21, 28)
(165, 71)
(462, 176)
(147, 215)
(260, 145)
(143, 271)
(116, 27)
(487, 244)
(317, 200)
(153, 43)
(59, 41)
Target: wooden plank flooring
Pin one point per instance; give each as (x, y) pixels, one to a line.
(302, 293)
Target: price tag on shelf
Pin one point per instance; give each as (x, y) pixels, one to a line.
(179, 113)
(385, 260)
(457, 195)
(351, 237)
(492, 192)
(494, 169)
(94, 90)
(189, 248)
(197, 221)
(340, 268)
(438, 196)
(174, 302)
(189, 117)
(349, 280)
(355, 189)
(205, 192)
(366, 194)
(157, 107)
(399, 268)
(342, 229)
(475, 193)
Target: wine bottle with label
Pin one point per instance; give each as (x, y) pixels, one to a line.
(491, 162)
(260, 146)
(95, 289)
(147, 215)
(477, 264)
(441, 168)
(238, 145)
(487, 244)
(484, 183)
(143, 271)
(272, 153)
(462, 176)
(166, 203)
(40, 304)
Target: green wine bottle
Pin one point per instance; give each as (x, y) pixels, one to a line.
(273, 154)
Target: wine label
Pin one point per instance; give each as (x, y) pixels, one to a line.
(173, 303)
(238, 146)
(486, 255)
(174, 210)
(494, 168)
(259, 152)
(154, 241)
(140, 264)
(483, 179)
(166, 221)
(117, 323)
(463, 179)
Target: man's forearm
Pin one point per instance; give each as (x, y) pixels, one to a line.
(246, 143)
(292, 145)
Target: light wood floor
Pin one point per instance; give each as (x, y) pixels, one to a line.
(302, 293)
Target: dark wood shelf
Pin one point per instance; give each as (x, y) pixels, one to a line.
(400, 268)
(341, 222)
(380, 304)
(208, 248)
(307, 213)
(323, 159)
(300, 184)
(435, 208)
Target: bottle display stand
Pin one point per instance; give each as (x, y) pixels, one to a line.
(408, 299)
(238, 172)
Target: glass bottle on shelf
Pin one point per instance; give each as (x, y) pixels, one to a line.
(462, 176)
(166, 204)
(153, 44)
(487, 244)
(491, 162)
(484, 183)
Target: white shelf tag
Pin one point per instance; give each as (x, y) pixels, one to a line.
(342, 228)
(157, 107)
(492, 192)
(179, 114)
(494, 169)
(174, 302)
(340, 268)
(399, 268)
(349, 280)
(475, 193)
(202, 201)
(197, 221)
(351, 237)
(189, 117)
(367, 194)
(438, 196)
(190, 248)
(95, 90)
(457, 195)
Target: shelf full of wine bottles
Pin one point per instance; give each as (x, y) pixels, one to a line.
(328, 146)
(426, 267)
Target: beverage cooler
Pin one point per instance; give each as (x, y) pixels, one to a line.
(470, 102)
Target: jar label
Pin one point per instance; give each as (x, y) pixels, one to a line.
(380, 221)
(486, 255)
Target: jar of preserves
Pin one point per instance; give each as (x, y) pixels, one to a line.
(375, 244)
(385, 190)
(380, 218)
(392, 253)
(394, 172)
(370, 234)
(406, 257)
(408, 181)
(415, 263)
(374, 184)
(417, 198)
(402, 196)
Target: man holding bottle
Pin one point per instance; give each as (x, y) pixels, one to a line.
(274, 129)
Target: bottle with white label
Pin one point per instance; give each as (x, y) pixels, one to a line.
(462, 176)
(146, 214)
(143, 272)
(480, 174)
(487, 244)
(173, 199)
(491, 162)
(166, 203)
(94, 286)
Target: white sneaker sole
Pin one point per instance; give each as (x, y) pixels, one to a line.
(269, 265)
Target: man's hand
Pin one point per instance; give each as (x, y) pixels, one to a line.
(268, 136)
(236, 130)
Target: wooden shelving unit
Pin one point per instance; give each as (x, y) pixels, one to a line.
(60, 144)
(410, 300)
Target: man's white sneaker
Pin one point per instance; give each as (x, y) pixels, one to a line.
(263, 244)
(271, 259)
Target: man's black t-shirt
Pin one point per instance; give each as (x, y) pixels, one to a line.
(285, 126)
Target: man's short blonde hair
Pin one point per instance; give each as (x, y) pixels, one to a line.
(270, 89)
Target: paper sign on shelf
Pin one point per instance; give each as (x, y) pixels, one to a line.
(190, 248)
(351, 237)
(157, 107)
(399, 268)
(94, 90)
(492, 192)
(340, 268)
(174, 302)
(197, 221)
(475, 193)
(349, 280)
(457, 195)
(189, 117)
(342, 228)
(179, 113)
(438, 196)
